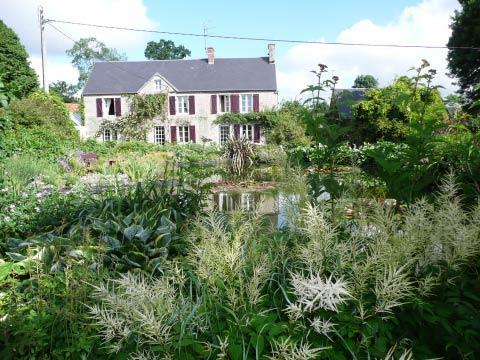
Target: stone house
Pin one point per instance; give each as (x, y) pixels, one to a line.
(198, 92)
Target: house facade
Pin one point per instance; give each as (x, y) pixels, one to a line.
(197, 91)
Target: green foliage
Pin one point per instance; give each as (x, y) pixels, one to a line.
(5, 96)
(165, 50)
(42, 110)
(365, 82)
(18, 78)
(282, 127)
(286, 128)
(465, 64)
(67, 92)
(86, 52)
(264, 117)
(136, 124)
(44, 317)
(386, 114)
(38, 142)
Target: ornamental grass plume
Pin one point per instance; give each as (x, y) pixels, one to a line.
(149, 311)
(316, 292)
(288, 350)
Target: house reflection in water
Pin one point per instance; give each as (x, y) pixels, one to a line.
(272, 205)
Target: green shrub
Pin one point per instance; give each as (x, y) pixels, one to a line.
(37, 142)
(42, 110)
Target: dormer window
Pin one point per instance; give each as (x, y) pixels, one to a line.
(158, 85)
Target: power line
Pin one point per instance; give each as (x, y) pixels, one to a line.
(268, 39)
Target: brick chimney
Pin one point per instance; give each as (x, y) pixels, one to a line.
(271, 53)
(211, 55)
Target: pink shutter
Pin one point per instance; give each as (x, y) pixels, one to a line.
(213, 104)
(235, 103)
(236, 131)
(171, 103)
(256, 133)
(191, 105)
(118, 107)
(192, 133)
(99, 107)
(256, 102)
(173, 134)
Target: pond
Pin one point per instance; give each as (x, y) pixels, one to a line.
(258, 189)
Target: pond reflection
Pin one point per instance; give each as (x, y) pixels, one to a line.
(275, 205)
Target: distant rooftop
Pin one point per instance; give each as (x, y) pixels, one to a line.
(235, 74)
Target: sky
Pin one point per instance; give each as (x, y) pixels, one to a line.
(420, 22)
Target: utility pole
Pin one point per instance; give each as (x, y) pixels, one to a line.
(43, 45)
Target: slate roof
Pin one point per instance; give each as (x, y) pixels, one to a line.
(346, 98)
(235, 74)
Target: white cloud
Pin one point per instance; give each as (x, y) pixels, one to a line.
(424, 24)
(21, 16)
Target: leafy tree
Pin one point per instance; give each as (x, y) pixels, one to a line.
(66, 91)
(165, 50)
(86, 52)
(465, 64)
(17, 76)
(365, 81)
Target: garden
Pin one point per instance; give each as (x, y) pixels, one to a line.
(341, 239)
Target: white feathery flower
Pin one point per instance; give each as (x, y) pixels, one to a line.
(315, 293)
(294, 311)
(323, 327)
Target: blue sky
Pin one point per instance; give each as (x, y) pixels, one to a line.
(300, 19)
(372, 21)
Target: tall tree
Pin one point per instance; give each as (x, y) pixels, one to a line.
(464, 64)
(86, 52)
(66, 91)
(165, 50)
(18, 78)
(365, 81)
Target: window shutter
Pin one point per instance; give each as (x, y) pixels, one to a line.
(236, 131)
(213, 104)
(191, 130)
(118, 107)
(191, 105)
(256, 102)
(173, 133)
(235, 103)
(256, 133)
(171, 103)
(99, 107)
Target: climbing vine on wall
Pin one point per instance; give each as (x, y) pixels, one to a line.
(266, 118)
(138, 120)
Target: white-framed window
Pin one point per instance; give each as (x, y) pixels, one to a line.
(182, 104)
(224, 103)
(247, 202)
(183, 134)
(109, 104)
(247, 103)
(225, 202)
(247, 132)
(224, 134)
(159, 135)
(109, 135)
(158, 85)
